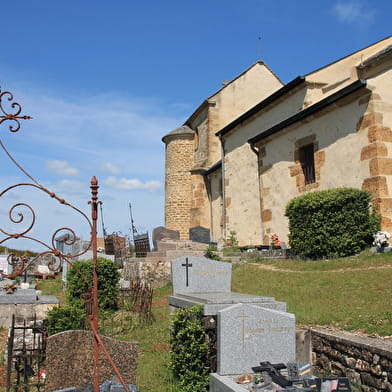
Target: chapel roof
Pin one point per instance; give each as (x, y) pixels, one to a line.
(299, 80)
(376, 58)
(317, 107)
(181, 131)
(226, 84)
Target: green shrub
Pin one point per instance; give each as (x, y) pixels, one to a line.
(189, 350)
(64, 318)
(331, 223)
(108, 283)
(210, 253)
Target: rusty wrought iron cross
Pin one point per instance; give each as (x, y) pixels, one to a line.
(187, 265)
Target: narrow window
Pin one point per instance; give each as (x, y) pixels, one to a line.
(306, 156)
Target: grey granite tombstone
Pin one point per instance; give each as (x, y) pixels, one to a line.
(163, 232)
(199, 234)
(250, 334)
(200, 275)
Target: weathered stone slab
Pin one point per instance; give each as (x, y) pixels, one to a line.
(249, 334)
(200, 275)
(161, 232)
(225, 384)
(200, 234)
(214, 302)
(75, 348)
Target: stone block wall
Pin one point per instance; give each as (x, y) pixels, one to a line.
(180, 147)
(366, 361)
(23, 311)
(156, 270)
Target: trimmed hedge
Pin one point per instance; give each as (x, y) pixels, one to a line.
(331, 223)
(108, 283)
(65, 318)
(189, 350)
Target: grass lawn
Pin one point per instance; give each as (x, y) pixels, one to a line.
(350, 293)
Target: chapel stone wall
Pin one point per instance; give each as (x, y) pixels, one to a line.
(178, 184)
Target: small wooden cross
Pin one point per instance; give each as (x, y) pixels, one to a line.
(187, 265)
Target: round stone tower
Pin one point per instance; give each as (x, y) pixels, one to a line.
(180, 149)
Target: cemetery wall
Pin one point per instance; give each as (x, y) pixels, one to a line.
(23, 311)
(366, 361)
(156, 271)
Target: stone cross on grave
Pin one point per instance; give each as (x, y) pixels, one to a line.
(187, 265)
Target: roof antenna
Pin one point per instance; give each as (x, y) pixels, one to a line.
(259, 49)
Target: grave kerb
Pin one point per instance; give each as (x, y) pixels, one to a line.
(214, 302)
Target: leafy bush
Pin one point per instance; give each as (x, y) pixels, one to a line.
(331, 223)
(189, 350)
(210, 253)
(108, 283)
(64, 319)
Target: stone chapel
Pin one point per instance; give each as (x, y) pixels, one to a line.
(257, 143)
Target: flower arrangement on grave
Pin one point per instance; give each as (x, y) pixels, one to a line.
(10, 288)
(381, 239)
(275, 243)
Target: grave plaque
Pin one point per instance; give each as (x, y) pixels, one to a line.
(249, 334)
(192, 274)
(199, 234)
(163, 232)
(142, 244)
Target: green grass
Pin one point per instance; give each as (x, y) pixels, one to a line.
(52, 287)
(152, 371)
(353, 293)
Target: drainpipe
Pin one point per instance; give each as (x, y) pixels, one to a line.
(223, 188)
(207, 184)
(257, 152)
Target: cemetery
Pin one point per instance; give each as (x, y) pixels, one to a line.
(253, 340)
(245, 341)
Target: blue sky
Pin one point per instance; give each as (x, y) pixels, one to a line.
(104, 81)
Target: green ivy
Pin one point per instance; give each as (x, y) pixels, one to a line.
(331, 223)
(189, 350)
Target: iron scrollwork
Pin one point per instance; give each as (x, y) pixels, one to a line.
(18, 215)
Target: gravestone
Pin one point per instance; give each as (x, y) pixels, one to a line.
(199, 234)
(248, 328)
(142, 244)
(198, 280)
(75, 348)
(192, 274)
(161, 232)
(249, 334)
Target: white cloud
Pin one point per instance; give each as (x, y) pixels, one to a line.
(62, 168)
(353, 12)
(111, 168)
(128, 183)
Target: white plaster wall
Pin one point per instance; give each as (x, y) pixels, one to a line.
(345, 68)
(243, 93)
(216, 206)
(242, 198)
(241, 170)
(337, 136)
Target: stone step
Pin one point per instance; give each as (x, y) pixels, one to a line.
(175, 254)
(156, 254)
